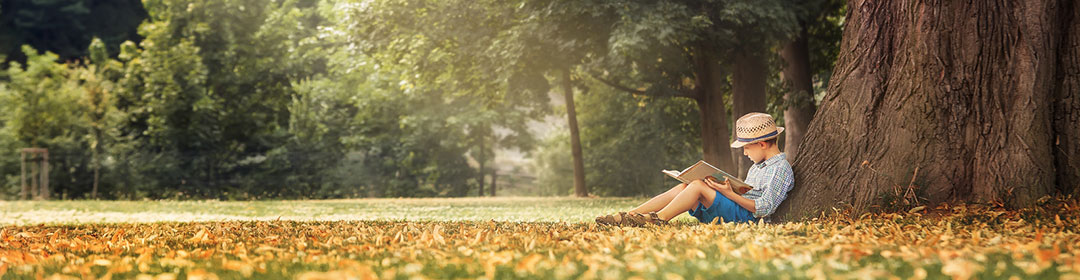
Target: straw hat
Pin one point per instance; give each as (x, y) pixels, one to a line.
(755, 127)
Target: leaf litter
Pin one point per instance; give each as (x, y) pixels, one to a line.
(958, 242)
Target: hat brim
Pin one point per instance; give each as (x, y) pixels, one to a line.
(739, 144)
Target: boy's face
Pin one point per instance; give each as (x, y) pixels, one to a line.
(755, 151)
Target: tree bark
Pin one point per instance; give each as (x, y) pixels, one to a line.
(963, 91)
(710, 101)
(1067, 102)
(799, 98)
(480, 160)
(575, 139)
(494, 176)
(748, 95)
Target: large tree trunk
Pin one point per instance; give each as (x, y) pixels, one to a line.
(962, 91)
(575, 140)
(710, 101)
(1067, 101)
(799, 98)
(748, 95)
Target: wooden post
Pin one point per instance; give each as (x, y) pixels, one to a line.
(24, 192)
(44, 174)
(38, 188)
(34, 170)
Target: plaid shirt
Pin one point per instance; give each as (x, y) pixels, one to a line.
(771, 179)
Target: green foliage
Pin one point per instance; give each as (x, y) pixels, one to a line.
(824, 31)
(655, 44)
(627, 140)
(40, 108)
(209, 91)
(246, 99)
(199, 108)
(469, 80)
(554, 173)
(631, 138)
(66, 27)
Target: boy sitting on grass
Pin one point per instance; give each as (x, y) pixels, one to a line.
(770, 176)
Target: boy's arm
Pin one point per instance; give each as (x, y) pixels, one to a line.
(725, 189)
(739, 199)
(778, 184)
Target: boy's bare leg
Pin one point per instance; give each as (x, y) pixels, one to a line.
(658, 202)
(696, 192)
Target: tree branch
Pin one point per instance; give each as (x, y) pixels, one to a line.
(665, 92)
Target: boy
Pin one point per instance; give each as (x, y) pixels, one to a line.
(770, 176)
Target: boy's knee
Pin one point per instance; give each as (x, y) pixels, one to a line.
(697, 184)
(678, 188)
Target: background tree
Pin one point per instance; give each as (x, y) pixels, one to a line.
(807, 63)
(240, 99)
(41, 108)
(414, 130)
(930, 104)
(209, 90)
(66, 27)
(701, 51)
(97, 82)
(630, 138)
(499, 56)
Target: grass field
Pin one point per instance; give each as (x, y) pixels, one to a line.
(509, 209)
(497, 238)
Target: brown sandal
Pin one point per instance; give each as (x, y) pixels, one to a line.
(641, 220)
(609, 220)
(654, 219)
(621, 219)
(631, 219)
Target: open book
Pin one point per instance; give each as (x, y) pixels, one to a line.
(704, 170)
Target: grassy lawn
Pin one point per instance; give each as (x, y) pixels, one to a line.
(498, 238)
(509, 209)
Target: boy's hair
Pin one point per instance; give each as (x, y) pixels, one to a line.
(771, 142)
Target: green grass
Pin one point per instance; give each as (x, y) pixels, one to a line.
(500, 238)
(509, 209)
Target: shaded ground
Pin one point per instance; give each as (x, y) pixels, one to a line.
(952, 242)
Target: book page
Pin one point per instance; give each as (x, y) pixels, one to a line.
(674, 174)
(702, 169)
(699, 170)
(720, 174)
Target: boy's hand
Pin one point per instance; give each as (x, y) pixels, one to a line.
(716, 184)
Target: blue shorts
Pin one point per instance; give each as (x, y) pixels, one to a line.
(723, 207)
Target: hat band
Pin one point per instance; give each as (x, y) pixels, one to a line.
(757, 138)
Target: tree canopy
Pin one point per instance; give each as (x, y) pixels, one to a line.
(240, 99)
